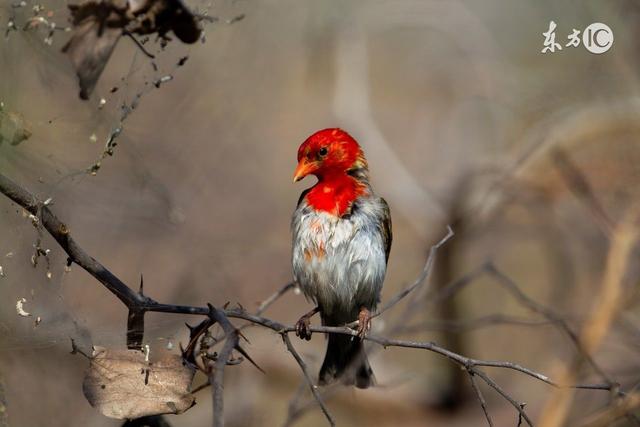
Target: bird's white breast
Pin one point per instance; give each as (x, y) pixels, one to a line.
(340, 262)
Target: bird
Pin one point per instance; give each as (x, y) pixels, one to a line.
(341, 232)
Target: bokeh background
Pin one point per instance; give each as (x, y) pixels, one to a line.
(460, 116)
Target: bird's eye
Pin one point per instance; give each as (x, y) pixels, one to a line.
(323, 151)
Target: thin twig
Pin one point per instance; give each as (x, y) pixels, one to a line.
(472, 324)
(421, 278)
(274, 297)
(293, 409)
(305, 372)
(582, 189)
(483, 403)
(139, 45)
(548, 313)
(518, 406)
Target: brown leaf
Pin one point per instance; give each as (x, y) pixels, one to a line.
(122, 384)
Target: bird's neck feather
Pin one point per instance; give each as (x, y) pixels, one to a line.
(335, 193)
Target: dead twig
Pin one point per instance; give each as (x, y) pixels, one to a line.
(274, 297)
(305, 372)
(483, 403)
(428, 266)
(579, 185)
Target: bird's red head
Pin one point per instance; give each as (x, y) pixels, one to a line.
(328, 152)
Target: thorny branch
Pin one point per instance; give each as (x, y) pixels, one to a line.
(139, 304)
(217, 377)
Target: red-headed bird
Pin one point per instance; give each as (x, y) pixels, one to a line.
(341, 243)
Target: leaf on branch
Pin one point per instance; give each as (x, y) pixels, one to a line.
(99, 24)
(121, 384)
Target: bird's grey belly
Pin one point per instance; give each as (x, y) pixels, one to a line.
(340, 265)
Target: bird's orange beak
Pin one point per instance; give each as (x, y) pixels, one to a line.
(303, 169)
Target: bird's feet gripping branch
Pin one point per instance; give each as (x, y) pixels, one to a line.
(303, 330)
(364, 322)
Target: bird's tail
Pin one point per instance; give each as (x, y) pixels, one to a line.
(347, 362)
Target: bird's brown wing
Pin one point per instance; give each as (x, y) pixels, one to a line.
(385, 228)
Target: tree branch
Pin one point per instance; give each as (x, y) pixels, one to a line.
(305, 372)
(139, 304)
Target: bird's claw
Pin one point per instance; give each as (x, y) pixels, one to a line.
(364, 322)
(303, 330)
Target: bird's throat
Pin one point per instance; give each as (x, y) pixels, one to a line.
(335, 194)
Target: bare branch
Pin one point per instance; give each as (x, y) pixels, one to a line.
(519, 406)
(217, 377)
(421, 278)
(274, 297)
(624, 239)
(483, 403)
(580, 187)
(472, 324)
(611, 414)
(305, 371)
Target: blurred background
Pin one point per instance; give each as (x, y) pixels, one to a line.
(532, 159)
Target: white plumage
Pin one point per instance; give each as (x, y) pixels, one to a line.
(340, 262)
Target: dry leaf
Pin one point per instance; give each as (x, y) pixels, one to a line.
(120, 384)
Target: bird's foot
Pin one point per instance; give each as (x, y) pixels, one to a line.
(303, 330)
(364, 322)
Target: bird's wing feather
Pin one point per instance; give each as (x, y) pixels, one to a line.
(301, 198)
(385, 228)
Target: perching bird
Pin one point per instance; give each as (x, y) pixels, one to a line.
(341, 243)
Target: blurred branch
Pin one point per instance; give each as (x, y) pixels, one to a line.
(421, 278)
(580, 187)
(305, 372)
(613, 413)
(138, 304)
(624, 239)
(549, 314)
(466, 325)
(274, 297)
(511, 286)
